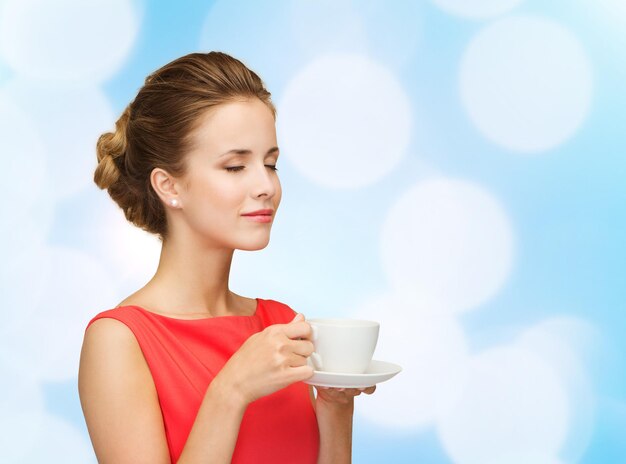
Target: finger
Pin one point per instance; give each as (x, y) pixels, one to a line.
(300, 373)
(295, 360)
(298, 317)
(297, 329)
(369, 390)
(302, 347)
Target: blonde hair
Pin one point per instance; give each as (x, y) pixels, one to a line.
(154, 130)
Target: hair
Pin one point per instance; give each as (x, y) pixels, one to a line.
(154, 131)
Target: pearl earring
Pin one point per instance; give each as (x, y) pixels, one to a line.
(174, 202)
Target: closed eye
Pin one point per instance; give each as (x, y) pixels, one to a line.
(239, 168)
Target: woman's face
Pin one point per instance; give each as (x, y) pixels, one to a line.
(231, 172)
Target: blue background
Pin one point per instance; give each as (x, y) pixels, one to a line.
(566, 203)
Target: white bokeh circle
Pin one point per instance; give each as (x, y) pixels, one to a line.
(513, 404)
(477, 9)
(69, 120)
(45, 343)
(68, 40)
(345, 121)
(432, 351)
(526, 83)
(447, 243)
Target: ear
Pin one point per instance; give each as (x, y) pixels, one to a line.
(166, 187)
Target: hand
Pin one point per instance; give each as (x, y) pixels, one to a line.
(269, 360)
(341, 396)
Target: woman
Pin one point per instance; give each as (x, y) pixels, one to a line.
(184, 370)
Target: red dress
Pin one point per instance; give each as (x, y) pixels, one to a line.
(185, 355)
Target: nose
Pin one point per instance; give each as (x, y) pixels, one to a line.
(265, 182)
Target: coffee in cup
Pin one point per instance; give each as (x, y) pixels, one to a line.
(343, 345)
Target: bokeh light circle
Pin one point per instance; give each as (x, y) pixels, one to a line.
(432, 351)
(447, 243)
(69, 40)
(344, 121)
(513, 401)
(526, 83)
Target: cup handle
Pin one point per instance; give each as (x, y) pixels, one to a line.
(315, 358)
(317, 361)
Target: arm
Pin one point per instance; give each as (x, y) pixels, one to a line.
(118, 397)
(335, 426)
(334, 408)
(215, 430)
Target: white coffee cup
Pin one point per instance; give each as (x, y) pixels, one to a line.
(343, 345)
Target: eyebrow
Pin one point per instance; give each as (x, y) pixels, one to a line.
(244, 151)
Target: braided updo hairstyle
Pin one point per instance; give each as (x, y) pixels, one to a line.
(154, 130)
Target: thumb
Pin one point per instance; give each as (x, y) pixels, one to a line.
(299, 317)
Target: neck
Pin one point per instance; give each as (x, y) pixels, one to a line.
(193, 279)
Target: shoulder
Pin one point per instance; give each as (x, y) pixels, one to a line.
(115, 335)
(118, 321)
(106, 329)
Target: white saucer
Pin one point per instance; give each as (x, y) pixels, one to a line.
(377, 372)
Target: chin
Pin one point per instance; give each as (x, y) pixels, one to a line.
(252, 246)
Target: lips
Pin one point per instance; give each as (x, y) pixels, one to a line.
(261, 212)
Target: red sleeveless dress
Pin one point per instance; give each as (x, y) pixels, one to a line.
(185, 355)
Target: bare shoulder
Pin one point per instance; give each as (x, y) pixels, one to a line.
(118, 397)
(108, 339)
